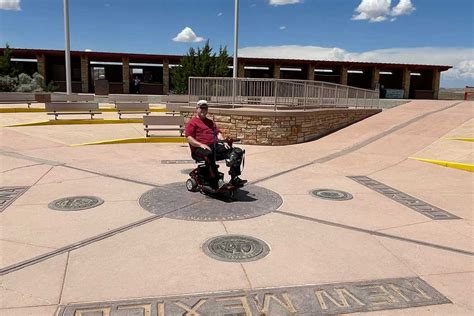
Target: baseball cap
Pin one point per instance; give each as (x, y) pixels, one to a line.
(201, 103)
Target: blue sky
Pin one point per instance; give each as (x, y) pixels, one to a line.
(405, 31)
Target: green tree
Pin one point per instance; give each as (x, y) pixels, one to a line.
(13, 80)
(6, 66)
(199, 63)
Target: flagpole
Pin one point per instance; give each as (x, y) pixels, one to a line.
(67, 47)
(236, 47)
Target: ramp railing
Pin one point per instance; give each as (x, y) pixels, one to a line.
(279, 94)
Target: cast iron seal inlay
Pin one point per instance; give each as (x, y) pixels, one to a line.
(329, 194)
(75, 203)
(175, 201)
(236, 248)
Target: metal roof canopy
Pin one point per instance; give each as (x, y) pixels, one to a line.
(133, 57)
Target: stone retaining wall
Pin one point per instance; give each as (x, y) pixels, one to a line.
(258, 127)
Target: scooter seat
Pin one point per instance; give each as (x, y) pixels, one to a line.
(197, 159)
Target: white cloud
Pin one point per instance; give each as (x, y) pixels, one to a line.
(282, 27)
(219, 14)
(372, 10)
(462, 59)
(463, 70)
(10, 5)
(380, 10)
(88, 50)
(282, 2)
(187, 35)
(402, 8)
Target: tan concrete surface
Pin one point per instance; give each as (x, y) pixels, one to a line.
(333, 242)
(30, 311)
(310, 253)
(37, 285)
(161, 258)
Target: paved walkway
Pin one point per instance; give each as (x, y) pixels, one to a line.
(402, 245)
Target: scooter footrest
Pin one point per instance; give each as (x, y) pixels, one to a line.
(208, 189)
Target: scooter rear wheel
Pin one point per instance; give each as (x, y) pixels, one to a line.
(191, 185)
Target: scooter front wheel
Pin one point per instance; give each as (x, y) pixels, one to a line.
(191, 185)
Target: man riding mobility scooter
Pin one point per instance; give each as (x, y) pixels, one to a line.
(208, 146)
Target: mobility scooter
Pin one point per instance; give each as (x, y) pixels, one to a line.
(200, 180)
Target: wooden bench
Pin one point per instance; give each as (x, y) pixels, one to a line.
(173, 108)
(468, 90)
(72, 108)
(17, 98)
(63, 97)
(134, 98)
(163, 123)
(132, 108)
(174, 101)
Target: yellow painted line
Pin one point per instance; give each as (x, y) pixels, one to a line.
(21, 110)
(164, 139)
(464, 139)
(78, 121)
(110, 109)
(449, 164)
(31, 110)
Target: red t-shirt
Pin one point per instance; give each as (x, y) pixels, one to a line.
(202, 130)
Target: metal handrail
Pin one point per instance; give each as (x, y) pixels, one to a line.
(279, 93)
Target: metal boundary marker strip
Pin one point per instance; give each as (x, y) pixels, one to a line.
(376, 233)
(415, 204)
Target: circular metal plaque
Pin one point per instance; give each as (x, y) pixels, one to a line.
(329, 194)
(175, 201)
(75, 203)
(236, 248)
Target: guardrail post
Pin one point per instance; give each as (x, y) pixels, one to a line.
(305, 96)
(234, 88)
(347, 96)
(189, 91)
(276, 94)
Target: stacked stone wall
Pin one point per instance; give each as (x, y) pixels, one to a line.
(277, 130)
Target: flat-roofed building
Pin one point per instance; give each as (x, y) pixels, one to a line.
(412, 81)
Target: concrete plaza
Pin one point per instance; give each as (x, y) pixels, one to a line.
(409, 223)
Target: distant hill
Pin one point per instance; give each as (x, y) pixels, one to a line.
(452, 94)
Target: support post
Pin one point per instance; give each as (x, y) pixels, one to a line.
(126, 75)
(276, 71)
(435, 83)
(84, 73)
(166, 76)
(343, 75)
(406, 83)
(310, 75)
(375, 78)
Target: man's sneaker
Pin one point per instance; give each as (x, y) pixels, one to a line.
(238, 181)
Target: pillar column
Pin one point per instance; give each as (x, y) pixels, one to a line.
(406, 83)
(241, 70)
(343, 76)
(84, 73)
(375, 78)
(126, 74)
(276, 71)
(435, 83)
(166, 76)
(310, 75)
(41, 64)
